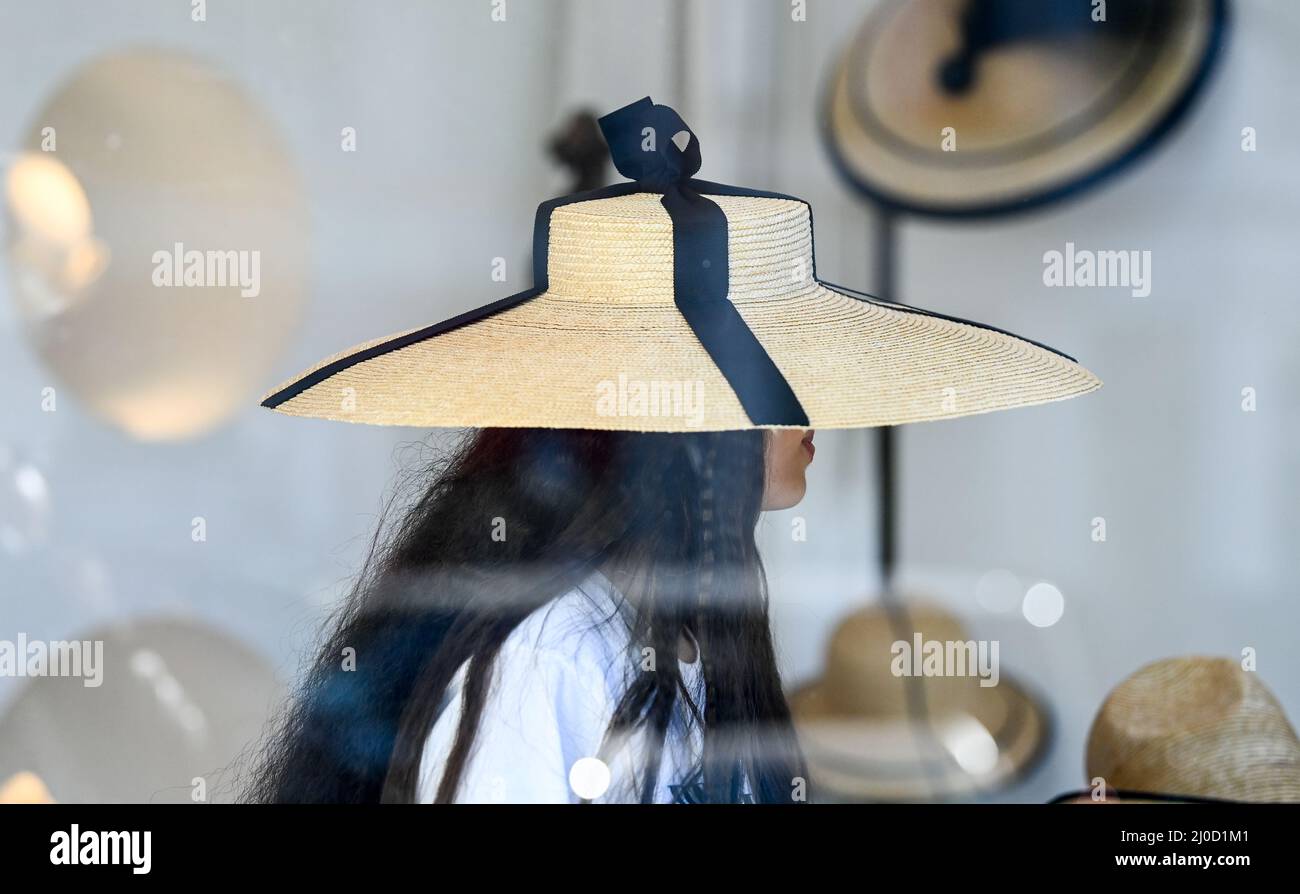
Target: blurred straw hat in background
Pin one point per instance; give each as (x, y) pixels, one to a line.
(1197, 727)
(863, 743)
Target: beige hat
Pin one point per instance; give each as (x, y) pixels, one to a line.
(970, 107)
(158, 704)
(863, 741)
(674, 304)
(1195, 727)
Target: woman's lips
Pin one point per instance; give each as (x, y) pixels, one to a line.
(808, 445)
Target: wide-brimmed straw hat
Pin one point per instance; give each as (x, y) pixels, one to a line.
(867, 737)
(675, 304)
(1195, 727)
(974, 107)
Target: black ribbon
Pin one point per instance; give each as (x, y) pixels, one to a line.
(652, 146)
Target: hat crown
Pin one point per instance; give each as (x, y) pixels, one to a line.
(1195, 726)
(860, 678)
(620, 250)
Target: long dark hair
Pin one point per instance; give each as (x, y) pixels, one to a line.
(673, 513)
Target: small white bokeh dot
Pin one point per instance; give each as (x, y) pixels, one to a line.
(589, 778)
(1043, 605)
(998, 590)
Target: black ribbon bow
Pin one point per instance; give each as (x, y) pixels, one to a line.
(652, 146)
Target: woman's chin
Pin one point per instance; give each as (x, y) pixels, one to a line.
(787, 496)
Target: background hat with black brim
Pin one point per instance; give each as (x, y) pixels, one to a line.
(975, 107)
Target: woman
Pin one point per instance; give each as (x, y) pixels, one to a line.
(507, 563)
(574, 607)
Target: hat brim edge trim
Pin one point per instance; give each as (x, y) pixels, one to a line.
(294, 387)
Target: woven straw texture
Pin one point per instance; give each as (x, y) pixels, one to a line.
(1199, 727)
(606, 348)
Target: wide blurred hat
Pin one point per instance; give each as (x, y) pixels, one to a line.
(646, 289)
(965, 107)
(865, 740)
(1195, 727)
(158, 703)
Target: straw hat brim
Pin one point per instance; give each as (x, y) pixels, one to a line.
(544, 363)
(875, 759)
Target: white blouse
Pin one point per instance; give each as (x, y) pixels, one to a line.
(557, 680)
